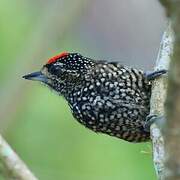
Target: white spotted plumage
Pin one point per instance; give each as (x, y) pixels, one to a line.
(103, 96)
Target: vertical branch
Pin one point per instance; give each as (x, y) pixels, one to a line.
(158, 97)
(172, 129)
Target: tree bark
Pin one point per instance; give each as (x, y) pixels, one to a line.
(172, 105)
(158, 97)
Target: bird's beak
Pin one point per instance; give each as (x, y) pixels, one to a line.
(36, 76)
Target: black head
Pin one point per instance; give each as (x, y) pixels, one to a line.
(63, 72)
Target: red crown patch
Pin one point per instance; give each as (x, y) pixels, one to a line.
(55, 58)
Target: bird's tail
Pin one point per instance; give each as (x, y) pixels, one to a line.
(153, 75)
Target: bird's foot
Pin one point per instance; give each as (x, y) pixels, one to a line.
(153, 118)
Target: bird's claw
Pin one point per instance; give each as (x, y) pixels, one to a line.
(150, 119)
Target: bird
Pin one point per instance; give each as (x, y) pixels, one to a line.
(106, 97)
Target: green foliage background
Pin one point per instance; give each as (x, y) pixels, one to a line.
(38, 124)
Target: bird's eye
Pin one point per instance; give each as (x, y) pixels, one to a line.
(54, 70)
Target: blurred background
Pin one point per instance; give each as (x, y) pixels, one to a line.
(37, 123)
